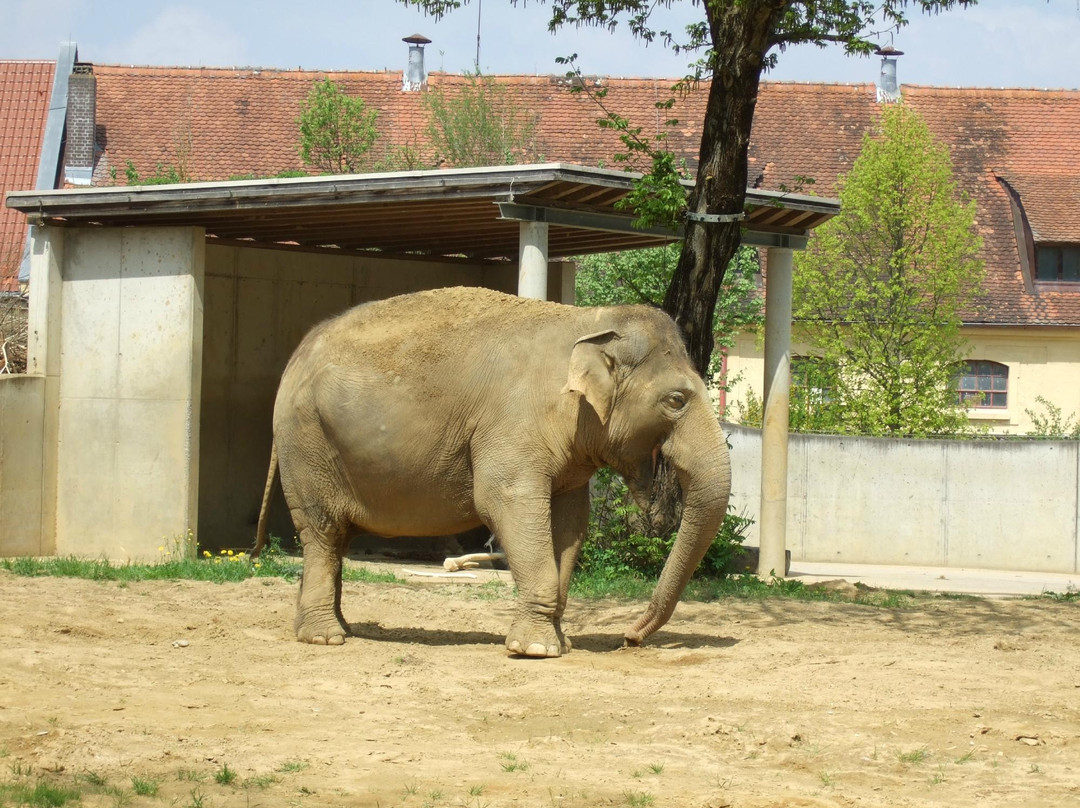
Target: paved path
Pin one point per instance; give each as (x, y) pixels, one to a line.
(990, 583)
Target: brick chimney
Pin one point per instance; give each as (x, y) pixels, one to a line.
(79, 130)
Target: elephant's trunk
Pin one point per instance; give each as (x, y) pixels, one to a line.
(698, 451)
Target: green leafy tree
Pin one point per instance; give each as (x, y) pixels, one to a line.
(881, 288)
(734, 41)
(336, 130)
(480, 123)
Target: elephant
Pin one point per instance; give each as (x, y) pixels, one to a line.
(439, 411)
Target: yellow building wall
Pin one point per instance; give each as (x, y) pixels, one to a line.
(1042, 362)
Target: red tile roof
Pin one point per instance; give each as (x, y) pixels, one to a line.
(217, 123)
(24, 108)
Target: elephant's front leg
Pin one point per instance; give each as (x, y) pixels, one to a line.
(520, 515)
(569, 523)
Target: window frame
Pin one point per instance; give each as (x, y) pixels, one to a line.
(1059, 278)
(979, 397)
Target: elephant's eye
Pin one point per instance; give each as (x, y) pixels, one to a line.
(675, 401)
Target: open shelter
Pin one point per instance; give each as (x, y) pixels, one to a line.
(161, 318)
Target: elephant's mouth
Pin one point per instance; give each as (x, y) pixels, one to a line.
(642, 480)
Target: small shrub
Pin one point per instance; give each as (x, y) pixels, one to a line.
(613, 548)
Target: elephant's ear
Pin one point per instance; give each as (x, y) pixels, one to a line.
(592, 372)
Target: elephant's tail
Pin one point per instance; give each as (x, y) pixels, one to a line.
(260, 533)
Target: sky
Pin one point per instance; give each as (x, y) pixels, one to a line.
(997, 43)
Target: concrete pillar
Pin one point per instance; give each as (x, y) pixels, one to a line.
(533, 260)
(43, 317)
(129, 397)
(774, 427)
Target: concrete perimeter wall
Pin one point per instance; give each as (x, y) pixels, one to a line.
(990, 504)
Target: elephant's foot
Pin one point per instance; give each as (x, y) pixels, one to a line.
(536, 638)
(327, 631)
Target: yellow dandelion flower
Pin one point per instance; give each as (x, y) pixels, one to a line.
(206, 553)
(230, 552)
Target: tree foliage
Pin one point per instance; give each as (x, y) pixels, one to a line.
(881, 288)
(480, 123)
(731, 45)
(336, 130)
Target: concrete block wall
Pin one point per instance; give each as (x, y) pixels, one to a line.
(989, 504)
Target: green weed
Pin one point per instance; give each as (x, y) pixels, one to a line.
(915, 756)
(638, 799)
(293, 766)
(224, 776)
(145, 786)
(510, 763)
(260, 781)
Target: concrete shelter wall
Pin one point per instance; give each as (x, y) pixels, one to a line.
(131, 310)
(22, 442)
(988, 504)
(259, 305)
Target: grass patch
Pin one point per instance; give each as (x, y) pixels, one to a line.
(225, 776)
(510, 763)
(594, 584)
(42, 794)
(145, 786)
(228, 566)
(293, 766)
(915, 756)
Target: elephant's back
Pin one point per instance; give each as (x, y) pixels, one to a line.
(425, 330)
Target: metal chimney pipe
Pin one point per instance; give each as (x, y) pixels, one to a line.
(415, 76)
(888, 90)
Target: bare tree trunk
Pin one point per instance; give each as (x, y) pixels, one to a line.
(741, 33)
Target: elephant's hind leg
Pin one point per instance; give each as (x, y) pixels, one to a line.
(318, 610)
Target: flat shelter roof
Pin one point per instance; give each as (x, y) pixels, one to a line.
(471, 213)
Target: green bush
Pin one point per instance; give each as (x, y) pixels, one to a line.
(614, 548)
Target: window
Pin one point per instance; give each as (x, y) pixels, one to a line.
(982, 384)
(810, 376)
(1058, 262)
(812, 394)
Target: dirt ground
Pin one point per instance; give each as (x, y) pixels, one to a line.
(775, 703)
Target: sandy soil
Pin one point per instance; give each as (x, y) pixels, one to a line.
(781, 703)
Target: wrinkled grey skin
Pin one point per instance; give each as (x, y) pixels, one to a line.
(433, 413)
